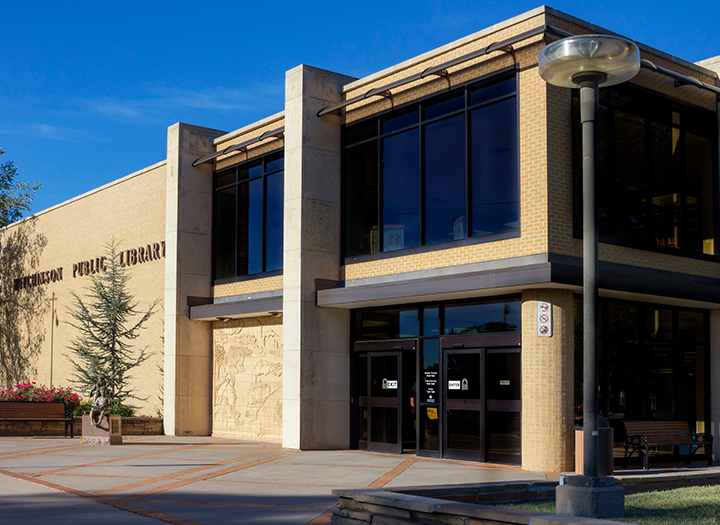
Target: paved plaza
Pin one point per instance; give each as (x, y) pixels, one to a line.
(203, 480)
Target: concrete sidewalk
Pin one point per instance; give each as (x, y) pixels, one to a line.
(203, 480)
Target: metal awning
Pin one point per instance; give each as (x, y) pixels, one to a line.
(680, 80)
(504, 45)
(278, 132)
(441, 69)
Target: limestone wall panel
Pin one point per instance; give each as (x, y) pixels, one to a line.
(247, 379)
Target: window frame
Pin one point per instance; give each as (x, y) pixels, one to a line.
(420, 124)
(264, 160)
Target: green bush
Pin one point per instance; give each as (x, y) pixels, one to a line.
(117, 409)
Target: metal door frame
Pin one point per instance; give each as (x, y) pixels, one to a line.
(483, 344)
(384, 349)
(478, 405)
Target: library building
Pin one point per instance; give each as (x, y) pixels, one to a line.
(394, 263)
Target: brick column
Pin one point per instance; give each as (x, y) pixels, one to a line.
(548, 384)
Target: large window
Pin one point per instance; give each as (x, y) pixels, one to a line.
(655, 172)
(653, 363)
(248, 218)
(442, 169)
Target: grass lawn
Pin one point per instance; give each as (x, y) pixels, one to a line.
(695, 505)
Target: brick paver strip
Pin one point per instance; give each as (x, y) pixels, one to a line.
(47, 450)
(40, 452)
(121, 458)
(475, 464)
(204, 477)
(118, 504)
(394, 473)
(191, 471)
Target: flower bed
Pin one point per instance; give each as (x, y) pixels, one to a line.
(34, 392)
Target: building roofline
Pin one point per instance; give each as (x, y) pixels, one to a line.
(543, 9)
(250, 127)
(88, 193)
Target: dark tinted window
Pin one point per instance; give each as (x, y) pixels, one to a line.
(361, 199)
(399, 120)
(656, 172)
(224, 238)
(445, 184)
(274, 222)
(401, 191)
(483, 318)
(444, 106)
(494, 156)
(248, 218)
(428, 192)
(359, 132)
(492, 91)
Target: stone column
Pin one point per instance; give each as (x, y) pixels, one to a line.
(316, 341)
(548, 384)
(188, 272)
(714, 385)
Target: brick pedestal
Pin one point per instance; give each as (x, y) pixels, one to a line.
(109, 432)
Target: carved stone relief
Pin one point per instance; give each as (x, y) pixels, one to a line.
(247, 379)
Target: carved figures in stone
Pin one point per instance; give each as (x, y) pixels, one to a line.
(102, 401)
(266, 381)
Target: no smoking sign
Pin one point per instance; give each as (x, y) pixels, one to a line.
(544, 319)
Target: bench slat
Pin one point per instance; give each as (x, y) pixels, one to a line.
(32, 410)
(644, 434)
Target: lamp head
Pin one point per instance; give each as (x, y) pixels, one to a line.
(610, 59)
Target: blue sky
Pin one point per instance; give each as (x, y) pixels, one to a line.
(88, 89)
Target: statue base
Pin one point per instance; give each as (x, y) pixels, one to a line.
(109, 432)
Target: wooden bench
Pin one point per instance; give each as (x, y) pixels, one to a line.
(37, 411)
(642, 435)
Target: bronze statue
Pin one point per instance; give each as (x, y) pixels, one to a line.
(102, 401)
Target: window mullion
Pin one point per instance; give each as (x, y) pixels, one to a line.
(237, 225)
(421, 175)
(381, 192)
(468, 170)
(263, 242)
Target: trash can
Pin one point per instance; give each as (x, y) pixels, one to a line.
(605, 451)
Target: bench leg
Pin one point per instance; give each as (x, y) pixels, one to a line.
(646, 457)
(708, 450)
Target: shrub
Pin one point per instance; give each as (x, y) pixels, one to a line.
(118, 409)
(33, 392)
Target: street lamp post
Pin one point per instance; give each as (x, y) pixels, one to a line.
(587, 62)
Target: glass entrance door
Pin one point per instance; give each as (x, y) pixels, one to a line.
(464, 405)
(481, 386)
(384, 402)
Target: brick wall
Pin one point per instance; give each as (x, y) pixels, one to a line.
(547, 384)
(132, 211)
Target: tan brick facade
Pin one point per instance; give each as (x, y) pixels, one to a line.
(131, 211)
(547, 384)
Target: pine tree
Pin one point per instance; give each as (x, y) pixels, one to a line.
(108, 320)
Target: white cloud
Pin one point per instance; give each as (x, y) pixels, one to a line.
(61, 133)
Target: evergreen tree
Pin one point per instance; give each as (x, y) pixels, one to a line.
(15, 197)
(108, 320)
(21, 311)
